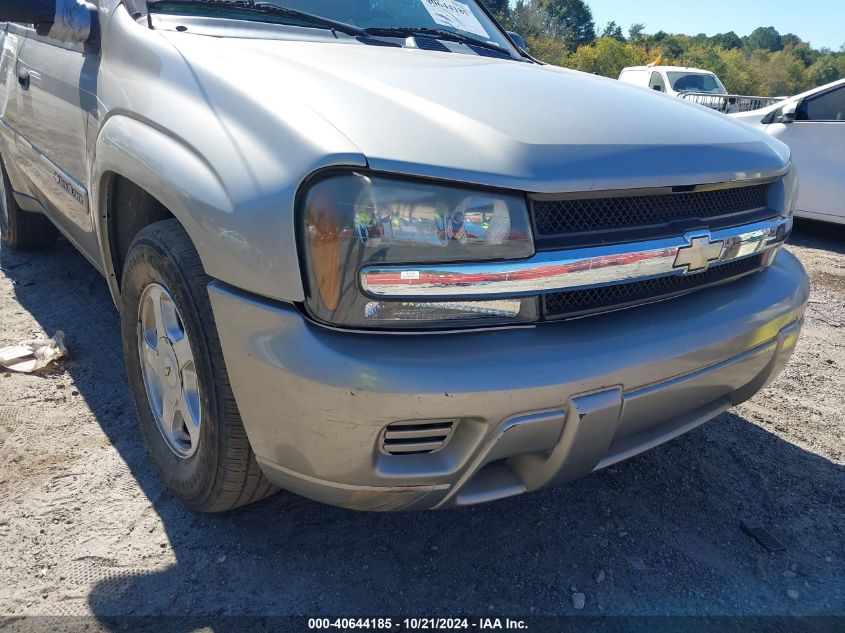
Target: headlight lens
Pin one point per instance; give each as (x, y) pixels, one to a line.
(350, 220)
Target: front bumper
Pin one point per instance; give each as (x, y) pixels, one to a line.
(534, 406)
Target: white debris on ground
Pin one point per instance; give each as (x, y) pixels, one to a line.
(32, 355)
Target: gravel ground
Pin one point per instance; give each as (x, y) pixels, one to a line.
(86, 528)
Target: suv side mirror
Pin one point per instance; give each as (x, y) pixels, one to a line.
(72, 21)
(518, 40)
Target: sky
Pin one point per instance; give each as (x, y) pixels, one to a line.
(820, 22)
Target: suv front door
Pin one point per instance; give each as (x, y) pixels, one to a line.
(55, 96)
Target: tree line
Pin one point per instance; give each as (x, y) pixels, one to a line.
(764, 62)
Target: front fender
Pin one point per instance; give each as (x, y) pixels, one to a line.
(170, 172)
(248, 244)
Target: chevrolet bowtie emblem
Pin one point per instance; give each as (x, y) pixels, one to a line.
(696, 256)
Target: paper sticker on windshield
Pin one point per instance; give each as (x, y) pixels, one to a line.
(455, 14)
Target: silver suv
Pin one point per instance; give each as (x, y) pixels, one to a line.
(371, 252)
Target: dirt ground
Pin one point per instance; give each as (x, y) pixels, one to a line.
(86, 528)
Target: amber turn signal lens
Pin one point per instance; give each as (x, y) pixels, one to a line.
(324, 238)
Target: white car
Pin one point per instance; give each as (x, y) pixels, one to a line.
(813, 125)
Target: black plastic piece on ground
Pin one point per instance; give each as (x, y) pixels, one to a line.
(762, 536)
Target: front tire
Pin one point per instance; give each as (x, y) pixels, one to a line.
(186, 410)
(19, 229)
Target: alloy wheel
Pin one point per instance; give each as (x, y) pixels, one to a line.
(169, 371)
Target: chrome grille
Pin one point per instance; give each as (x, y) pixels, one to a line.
(560, 217)
(561, 305)
(416, 438)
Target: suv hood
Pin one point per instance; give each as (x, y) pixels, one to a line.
(476, 119)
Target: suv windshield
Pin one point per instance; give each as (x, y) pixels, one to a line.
(463, 18)
(696, 82)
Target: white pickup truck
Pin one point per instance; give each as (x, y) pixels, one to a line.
(693, 84)
(373, 253)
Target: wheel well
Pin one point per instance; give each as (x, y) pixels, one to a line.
(130, 209)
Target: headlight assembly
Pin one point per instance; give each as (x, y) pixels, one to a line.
(349, 220)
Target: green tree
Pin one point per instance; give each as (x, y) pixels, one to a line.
(499, 8)
(550, 50)
(613, 30)
(807, 55)
(737, 76)
(529, 20)
(608, 56)
(569, 20)
(826, 69)
(784, 74)
(672, 46)
(728, 41)
(636, 32)
(790, 39)
(764, 38)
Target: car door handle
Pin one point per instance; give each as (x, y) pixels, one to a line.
(23, 79)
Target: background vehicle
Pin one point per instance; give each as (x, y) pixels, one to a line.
(673, 80)
(693, 84)
(345, 268)
(813, 125)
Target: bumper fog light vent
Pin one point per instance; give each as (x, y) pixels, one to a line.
(416, 438)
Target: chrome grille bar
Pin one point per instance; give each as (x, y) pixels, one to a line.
(576, 268)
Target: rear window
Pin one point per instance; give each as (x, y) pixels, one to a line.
(695, 82)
